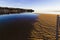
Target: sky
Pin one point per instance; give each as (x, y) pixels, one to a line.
(37, 5)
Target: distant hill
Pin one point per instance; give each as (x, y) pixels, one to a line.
(6, 10)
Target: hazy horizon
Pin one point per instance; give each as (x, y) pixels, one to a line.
(37, 5)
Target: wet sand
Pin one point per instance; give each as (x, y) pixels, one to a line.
(45, 27)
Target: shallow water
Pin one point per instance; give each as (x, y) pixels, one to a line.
(16, 26)
(19, 17)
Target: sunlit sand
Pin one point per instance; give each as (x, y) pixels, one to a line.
(45, 27)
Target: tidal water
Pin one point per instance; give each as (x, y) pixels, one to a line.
(16, 26)
(18, 17)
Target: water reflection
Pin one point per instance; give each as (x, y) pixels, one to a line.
(16, 26)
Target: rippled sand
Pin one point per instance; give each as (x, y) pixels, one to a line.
(45, 27)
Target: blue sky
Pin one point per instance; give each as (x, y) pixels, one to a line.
(39, 5)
